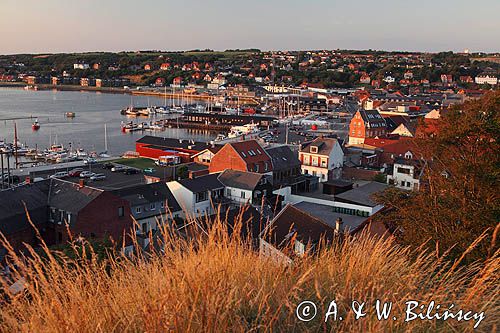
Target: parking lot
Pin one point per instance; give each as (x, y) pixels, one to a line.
(113, 181)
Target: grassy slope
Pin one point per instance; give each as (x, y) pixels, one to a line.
(225, 286)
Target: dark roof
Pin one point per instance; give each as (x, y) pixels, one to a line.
(69, 197)
(282, 158)
(165, 143)
(292, 222)
(325, 145)
(327, 215)
(12, 210)
(149, 193)
(249, 218)
(196, 166)
(362, 195)
(240, 179)
(202, 183)
(338, 182)
(372, 118)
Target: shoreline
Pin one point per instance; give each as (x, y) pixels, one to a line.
(113, 90)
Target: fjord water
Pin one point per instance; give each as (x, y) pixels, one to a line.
(86, 130)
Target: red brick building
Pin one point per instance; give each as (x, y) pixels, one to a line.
(242, 156)
(89, 212)
(366, 124)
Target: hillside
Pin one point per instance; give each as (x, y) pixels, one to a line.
(219, 284)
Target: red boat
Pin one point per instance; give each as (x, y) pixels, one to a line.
(35, 126)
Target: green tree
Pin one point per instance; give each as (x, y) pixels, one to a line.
(460, 196)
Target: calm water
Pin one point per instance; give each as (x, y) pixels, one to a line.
(86, 130)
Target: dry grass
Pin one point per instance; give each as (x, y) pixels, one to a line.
(219, 284)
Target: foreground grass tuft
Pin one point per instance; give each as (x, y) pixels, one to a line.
(217, 283)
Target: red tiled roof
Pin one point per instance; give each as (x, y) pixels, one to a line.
(253, 154)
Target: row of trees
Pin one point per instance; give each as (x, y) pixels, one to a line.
(460, 201)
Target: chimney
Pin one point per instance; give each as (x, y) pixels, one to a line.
(338, 225)
(81, 183)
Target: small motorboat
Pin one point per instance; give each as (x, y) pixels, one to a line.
(70, 114)
(35, 126)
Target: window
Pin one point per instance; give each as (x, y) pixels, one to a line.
(405, 171)
(265, 166)
(121, 211)
(201, 196)
(314, 150)
(152, 206)
(138, 210)
(228, 192)
(408, 184)
(402, 183)
(256, 168)
(243, 194)
(323, 163)
(162, 204)
(144, 227)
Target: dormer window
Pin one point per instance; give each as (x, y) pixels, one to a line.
(314, 150)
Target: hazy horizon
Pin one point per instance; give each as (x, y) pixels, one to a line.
(58, 26)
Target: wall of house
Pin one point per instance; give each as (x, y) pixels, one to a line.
(357, 130)
(402, 180)
(184, 197)
(293, 199)
(234, 194)
(205, 158)
(227, 158)
(100, 218)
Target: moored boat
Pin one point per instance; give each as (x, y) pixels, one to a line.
(36, 125)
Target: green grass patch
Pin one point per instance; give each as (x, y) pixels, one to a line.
(139, 163)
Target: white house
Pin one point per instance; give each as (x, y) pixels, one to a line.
(81, 66)
(406, 174)
(322, 157)
(389, 79)
(198, 196)
(246, 187)
(486, 79)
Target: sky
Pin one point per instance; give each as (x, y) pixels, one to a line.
(54, 26)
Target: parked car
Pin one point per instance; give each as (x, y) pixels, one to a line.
(149, 170)
(90, 160)
(132, 171)
(108, 165)
(75, 172)
(86, 174)
(98, 176)
(118, 168)
(60, 174)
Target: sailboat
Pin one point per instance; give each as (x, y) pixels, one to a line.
(175, 108)
(104, 154)
(163, 109)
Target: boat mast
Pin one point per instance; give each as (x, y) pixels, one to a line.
(105, 138)
(15, 142)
